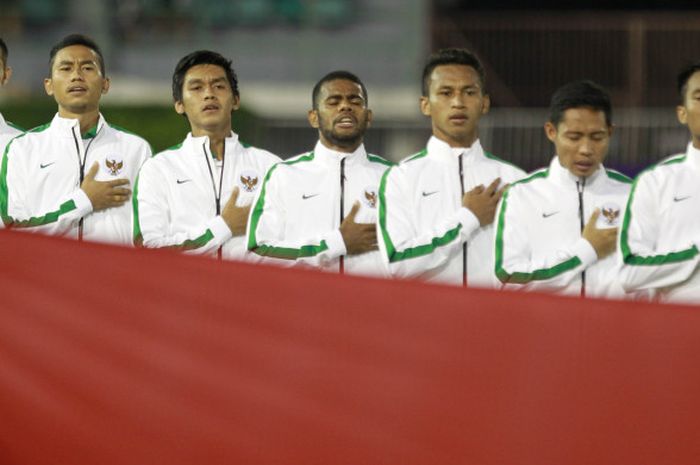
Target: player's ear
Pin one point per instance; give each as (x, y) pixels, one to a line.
(6, 76)
(105, 85)
(236, 102)
(550, 130)
(425, 105)
(48, 86)
(369, 118)
(179, 107)
(485, 104)
(682, 114)
(312, 116)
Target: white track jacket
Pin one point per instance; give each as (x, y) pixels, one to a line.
(7, 132)
(42, 171)
(181, 191)
(422, 225)
(296, 218)
(660, 234)
(538, 243)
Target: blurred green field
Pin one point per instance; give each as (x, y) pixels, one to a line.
(159, 125)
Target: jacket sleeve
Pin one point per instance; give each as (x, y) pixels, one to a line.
(267, 224)
(514, 260)
(152, 224)
(644, 265)
(16, 208)
(409, 249)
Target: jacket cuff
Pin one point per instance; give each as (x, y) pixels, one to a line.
(82, 202)
(220, 230)
(585, 252)
(468, 220)
(336, 244)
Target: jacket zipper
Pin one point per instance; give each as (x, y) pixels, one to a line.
(217, 193)
(579, 187)
(464, 244)
(342, 208)
(81, 164)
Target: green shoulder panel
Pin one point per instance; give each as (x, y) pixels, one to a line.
(541, 173)
(416, 156)
(617, 176)
(378, 159)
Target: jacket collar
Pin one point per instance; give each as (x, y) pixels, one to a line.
(565, 178)
(443, 150)
(194, 144)
(325, 155)
(66, 125)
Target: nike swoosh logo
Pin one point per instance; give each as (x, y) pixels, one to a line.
(680, 199)
(183, 181)
(427, 194)
(547, 215)
(304, 196)
(42, 166)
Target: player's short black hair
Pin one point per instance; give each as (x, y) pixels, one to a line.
(3, 51)
(332, 76)
(684, 76)
(202, 57)
(77, 39)
(579, 94)
(452, 56)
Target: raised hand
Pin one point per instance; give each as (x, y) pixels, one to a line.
(104, 194)
(603, 240)
(358, 237)
(236, 218)
(482, 201)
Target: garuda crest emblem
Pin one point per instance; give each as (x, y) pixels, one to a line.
(371, 198)
(609, 215)
(114, 166)
(249, 181)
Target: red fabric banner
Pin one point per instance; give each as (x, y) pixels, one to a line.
(120, 356)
